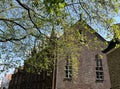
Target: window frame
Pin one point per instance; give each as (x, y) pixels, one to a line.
(68, 69)
(99, 69)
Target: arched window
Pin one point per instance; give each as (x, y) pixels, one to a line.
(68, 68)
(99, 68)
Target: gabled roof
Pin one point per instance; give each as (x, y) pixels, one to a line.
(113, 42)
(91, 29)
(111, 46)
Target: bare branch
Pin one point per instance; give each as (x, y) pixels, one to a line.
(9, 8)
(12, 21)
(33, 21)
(23, 5)
(74, 8)
(1, 30)
(11, 39)
(28, 9)
(85, 10)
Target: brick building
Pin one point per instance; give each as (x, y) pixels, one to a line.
(80, 65)
(92, 72)
(113, 57)
(24, 80)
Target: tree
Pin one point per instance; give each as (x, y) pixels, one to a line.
(22, 22)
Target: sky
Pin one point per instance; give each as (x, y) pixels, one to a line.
(104, 34)
(117, 18)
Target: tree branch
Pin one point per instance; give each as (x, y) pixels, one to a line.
(29, 15)
(12, 21)
(85, 10)
(28, 8)
(12, 39)
(23, 5)
(9, 8)
(36, 25)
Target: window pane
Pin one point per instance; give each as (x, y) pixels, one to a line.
(70, 67)
(101, 77)
(97, 68)
(97, 77)
(66, 74)
(101, 73)
(66, 67)
(100, 68)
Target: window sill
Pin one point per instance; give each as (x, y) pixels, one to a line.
(67, 79)
(99, 81)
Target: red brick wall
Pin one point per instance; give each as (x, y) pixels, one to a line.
(114, 68)
(86, 78)
(24, 80)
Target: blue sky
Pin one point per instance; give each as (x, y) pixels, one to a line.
(117, 18)
(104, 35)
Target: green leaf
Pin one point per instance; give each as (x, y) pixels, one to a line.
(51, 11)
(117, 10)
(61, 5)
